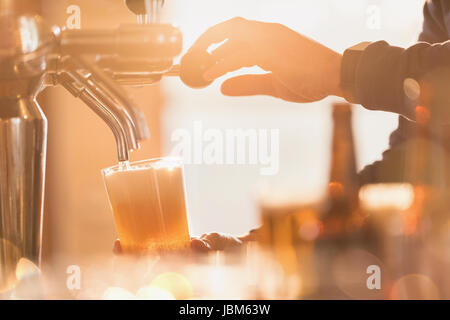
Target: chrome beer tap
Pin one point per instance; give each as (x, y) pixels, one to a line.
(90, 65)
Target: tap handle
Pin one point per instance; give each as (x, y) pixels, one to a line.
(192, 68)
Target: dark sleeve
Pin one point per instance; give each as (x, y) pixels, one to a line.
(378, 72)
(393, 166)
(434, 29)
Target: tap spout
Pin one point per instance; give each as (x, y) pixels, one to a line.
(108, 115)
(109, 86)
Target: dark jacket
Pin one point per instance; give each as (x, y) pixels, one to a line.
(379, 74)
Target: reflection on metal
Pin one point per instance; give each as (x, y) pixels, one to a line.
(147, 11)
(9, 256)
(23, 132)
(34, 56)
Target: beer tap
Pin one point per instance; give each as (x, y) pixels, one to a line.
(192, 66)
(147, 11)
(90, 64)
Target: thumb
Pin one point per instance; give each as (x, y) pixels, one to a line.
(259, 84)
(249, 85)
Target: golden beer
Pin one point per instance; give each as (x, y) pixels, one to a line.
(149, 204)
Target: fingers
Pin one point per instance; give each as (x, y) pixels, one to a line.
(226, 49)
(252, 235)
(221, 241)
(193, 65)
(259, 84)
(241, 39)
(249, 85)
(233, 29)
(199, 246)
(215, 241)
(236, 61)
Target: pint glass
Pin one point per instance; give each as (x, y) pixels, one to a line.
(149, 204)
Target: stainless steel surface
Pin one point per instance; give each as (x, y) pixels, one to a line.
(154, 42)
(106, 109)
(152, 9)
(174, 71)
(34, 56)
(23, 134)
(147, 11)
(131, 55)
(144, 78)
(25, 43)
(109, 87)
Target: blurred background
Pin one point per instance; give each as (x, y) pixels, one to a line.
(78, 221)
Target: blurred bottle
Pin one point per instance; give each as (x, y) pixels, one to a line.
(341, 214)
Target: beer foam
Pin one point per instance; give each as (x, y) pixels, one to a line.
(156, 164)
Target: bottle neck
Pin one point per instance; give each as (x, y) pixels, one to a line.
(343, 174)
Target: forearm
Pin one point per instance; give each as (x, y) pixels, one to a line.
(334, 77)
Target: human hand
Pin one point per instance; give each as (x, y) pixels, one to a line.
(298, 69)
(207, 242)
(215, 242)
